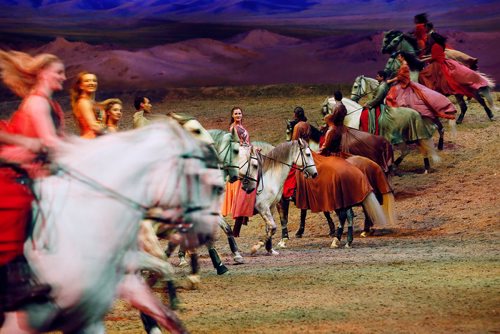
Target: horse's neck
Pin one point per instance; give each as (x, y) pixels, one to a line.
(276, 170)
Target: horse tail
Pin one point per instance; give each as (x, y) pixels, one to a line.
(491, 82)
(426, 147)
(388, 207)
(374, 210)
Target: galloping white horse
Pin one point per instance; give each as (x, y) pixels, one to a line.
(85, 238)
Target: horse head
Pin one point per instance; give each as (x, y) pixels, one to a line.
(358, 88)
(306, 161)
(290, 124)
(250, 168)
(391, 41)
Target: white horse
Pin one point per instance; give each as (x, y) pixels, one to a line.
(353, 110)
(85, 238)
(275, 169)
(363, 86)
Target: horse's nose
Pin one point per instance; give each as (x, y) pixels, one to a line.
(233, 179)
(314, 175)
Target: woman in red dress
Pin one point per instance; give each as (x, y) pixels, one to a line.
(41, 119)
(450, 77)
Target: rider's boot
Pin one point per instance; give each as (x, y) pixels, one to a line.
(216, 261)
(19, 286)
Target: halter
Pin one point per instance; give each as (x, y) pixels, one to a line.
(359, 93)
(247, 177)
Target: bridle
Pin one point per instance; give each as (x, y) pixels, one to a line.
(361, 91)
(172, 216)
(228, 153)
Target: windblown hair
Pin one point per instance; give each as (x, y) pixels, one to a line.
(421, 18)
(107, 104)
(414, 63)
(75, 90)
(300, 114)
(19, 70)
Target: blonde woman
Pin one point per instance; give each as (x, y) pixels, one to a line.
(34, 79)
(113, 111)
(90, 118)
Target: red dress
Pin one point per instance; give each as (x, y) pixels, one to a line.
(450, 77)
(15, 197)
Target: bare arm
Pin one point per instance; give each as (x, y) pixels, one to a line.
(85, 108)
(38, 110)
(32, 144)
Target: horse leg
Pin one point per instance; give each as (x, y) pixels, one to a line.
(216, 261)
(331, 224)
(463, 108)
(283, 207)
(350, 228)
(486, 94)
(367, 230)
(440, 128)
(237, 226)
(182, 257)
(150, 324)
(342, 214)
(300, 231)
(140, 296)
(481, 101)
(266, 214)
(238, 259)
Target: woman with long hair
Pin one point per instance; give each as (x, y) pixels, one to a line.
(40, 118)
(90, 118)
(236, 200)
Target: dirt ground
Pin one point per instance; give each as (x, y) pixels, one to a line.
(436, 271)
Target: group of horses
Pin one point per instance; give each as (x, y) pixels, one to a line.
(171, 174)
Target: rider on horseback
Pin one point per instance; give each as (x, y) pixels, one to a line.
(372, 109)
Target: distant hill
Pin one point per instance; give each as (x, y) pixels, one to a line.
(257, 57)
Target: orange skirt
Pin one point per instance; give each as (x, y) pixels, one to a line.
(237, 201)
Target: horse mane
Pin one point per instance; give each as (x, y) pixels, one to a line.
(390, 35)
(265, 147)
(217, 134)
(278, 155)
(75, 150)
(182, 118)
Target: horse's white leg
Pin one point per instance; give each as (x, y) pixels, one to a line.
(146, 261)
(237, 257)
(149, 241)
(16, 322)
(283, 207)
(133, 290)
(265, 213)
(486, 93)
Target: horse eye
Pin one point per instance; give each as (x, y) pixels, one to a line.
(197, 131)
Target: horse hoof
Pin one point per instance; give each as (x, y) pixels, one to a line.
(282, 243)
(222, 269)
(272, 252)
(335, 243)
(183, 263)
(348, 245)
(155, 330)
(426, 171)
(364, 234)
(193, 282)
(238, 259)
(256, 247)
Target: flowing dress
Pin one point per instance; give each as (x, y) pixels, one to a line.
(450, 77)
(236, 200)
(425, 101)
